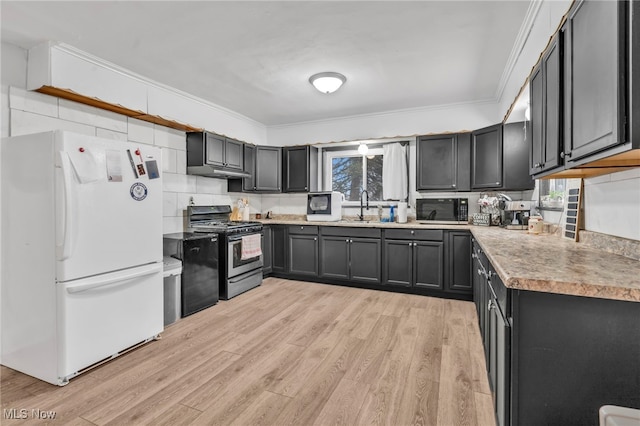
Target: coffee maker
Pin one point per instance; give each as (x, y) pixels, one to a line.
(515, 214)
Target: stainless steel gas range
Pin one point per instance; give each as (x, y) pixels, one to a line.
(237, 273)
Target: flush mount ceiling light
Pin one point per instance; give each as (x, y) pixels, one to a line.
(327, 82)
(363, 149)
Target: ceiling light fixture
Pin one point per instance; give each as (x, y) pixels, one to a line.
(363, 149)
(327, 82)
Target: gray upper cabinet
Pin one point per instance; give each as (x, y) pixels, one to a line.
(300, 169)
(223, 152)
(268, 173)
(515, 157)
(443, 162)
(486, 158)
(263, 164)
(595, 77)
(546, 108)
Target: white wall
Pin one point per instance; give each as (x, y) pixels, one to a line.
(612, 204)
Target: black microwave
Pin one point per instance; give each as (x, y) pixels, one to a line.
(442, 210)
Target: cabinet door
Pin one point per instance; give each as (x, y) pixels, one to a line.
(268, 168)
(303, 255)
(486, 153)
(428, 264)
(459, 262)
(233, 154)
(437, 163)
(249, 183)
(267, 249)
(398, 262)
(334, 257)
(536, 93)
(215, 149)
(296, 169)
(595, 78)
(503, 370)
(279, 244)
(552, 65)
(365, 257)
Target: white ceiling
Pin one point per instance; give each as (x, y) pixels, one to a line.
(255, 58)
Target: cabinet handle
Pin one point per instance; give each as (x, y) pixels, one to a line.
(490, 306)
(479, 271)
(351, 241)
(473, 255)
(315, 238)
(497, 183)
(305, 188)
(453, 185)
(410, 244)
(562, 155)
(415, 244)
(302, 227)
(412, 232)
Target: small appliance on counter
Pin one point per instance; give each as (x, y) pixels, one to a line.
(515, 214)
(324, 206)
(442, 210)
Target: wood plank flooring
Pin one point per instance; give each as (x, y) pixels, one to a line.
(285, 353)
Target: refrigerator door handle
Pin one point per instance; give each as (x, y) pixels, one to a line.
(115, 280)
(68, 206)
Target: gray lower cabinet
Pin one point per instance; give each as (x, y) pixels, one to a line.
(459, 262)
(344, 256)
(303, 250)
(279, 245)
(267, 250)
(414, 263)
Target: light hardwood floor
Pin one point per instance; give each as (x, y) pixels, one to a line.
(288, 352)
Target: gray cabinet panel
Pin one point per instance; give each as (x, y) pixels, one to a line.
(300, 169)
(459, 262)
(428, 264)
(249, 184)
(268, 169)
(334, 257)
(303, 255)
(365, 256)
(595, 76)
(279, 244)
(437, 163)
(267, 250)
(418, 234)
(215, 149)
(536, 89)
(398, 262)
(233, 154)
(486, 157)
(341, 231)
(303, 229)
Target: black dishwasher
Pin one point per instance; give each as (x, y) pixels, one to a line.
(199, 280)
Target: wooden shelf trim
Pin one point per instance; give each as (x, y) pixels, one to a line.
(118, 109)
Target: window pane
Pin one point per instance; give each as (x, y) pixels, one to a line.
(551, 193)
(347, 176)
(374, 177)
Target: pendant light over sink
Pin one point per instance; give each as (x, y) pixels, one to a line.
(327, 82)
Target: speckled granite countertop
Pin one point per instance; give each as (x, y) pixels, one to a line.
(544, 263)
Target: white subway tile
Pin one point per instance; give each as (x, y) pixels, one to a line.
(24, 123)
(171, 225)
(140, 131)
(110, 134)
(170, 138)
(185, 199)
(178, 183)
(169, 160)
(626, 174)
(169, 204)
(206, 185)
(181, 162)
(97, 117)
(34, 102)
(597, 180)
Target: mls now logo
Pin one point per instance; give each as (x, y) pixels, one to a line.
(23, 413)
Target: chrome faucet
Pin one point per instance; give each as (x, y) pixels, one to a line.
(361, 215)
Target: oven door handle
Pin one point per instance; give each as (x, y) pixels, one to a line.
(239, 237)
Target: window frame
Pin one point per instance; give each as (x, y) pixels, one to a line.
(327, 171)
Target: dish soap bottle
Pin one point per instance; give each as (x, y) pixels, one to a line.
(391, 213)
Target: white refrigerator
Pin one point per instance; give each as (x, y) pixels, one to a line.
(81, 251)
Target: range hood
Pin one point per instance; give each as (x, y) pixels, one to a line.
(217, 172)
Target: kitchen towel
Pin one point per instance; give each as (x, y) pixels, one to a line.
(251, 246)
(394, 172)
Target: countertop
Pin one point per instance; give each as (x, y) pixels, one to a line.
(544, 263)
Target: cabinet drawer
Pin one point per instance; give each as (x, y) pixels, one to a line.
(340, 231)
(303, 229)
(414, 234)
